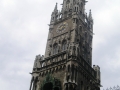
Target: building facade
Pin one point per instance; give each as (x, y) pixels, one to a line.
(67, 64)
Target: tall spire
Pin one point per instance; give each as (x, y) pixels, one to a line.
(90, 15)
(55, 9)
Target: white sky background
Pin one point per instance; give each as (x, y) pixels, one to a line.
(23, 35)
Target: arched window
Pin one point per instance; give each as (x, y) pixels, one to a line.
(75, 9)
(60, 16)
(68, 68)
(53, 19)
(48, 86)
(55, 49)
(43, 64)
(80, 29)
(64, 45)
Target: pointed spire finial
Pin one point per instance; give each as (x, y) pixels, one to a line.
(56, 8)
(90, 15)
(90, 11)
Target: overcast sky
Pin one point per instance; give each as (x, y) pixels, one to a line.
(23, 35)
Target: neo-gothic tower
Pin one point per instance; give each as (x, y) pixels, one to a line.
(67, 64)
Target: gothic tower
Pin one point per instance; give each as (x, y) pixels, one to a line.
(67, 64)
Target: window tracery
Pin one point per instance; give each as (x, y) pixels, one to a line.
(64, 45)
(55, 48)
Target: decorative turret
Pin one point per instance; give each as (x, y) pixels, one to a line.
(97, 69)
(54, 14)
(90, 16)
(90, 20)
(67, 5)
(55, 9)
(37, 62)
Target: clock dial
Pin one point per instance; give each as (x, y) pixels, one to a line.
(62, 27)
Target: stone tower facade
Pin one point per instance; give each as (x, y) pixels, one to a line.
(67, 64)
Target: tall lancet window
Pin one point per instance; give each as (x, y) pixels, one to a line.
(64, 45)
(55, 48)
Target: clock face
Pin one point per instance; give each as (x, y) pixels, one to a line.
(62, 27)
